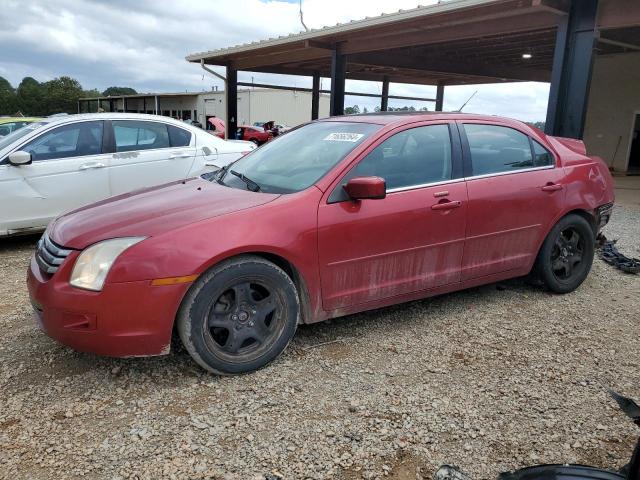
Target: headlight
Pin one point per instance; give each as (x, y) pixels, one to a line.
(93, 264)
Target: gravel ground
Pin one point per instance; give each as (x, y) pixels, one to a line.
(490, 379)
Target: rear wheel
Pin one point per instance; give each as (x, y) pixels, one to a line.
(566, 256)
(239, 316)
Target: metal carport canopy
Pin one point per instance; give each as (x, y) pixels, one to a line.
(450, 43)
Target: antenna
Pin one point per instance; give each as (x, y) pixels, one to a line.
(465, 103)
(302, 18)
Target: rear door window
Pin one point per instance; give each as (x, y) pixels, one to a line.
(496, 149)
(133, 135)
(72, 140)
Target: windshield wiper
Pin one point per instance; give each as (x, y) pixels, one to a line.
(219, 174)
(251, 185)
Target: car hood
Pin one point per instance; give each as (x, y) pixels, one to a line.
(152, 211)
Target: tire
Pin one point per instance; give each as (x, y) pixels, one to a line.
(566, 256)
(257, 143)
(239, 316)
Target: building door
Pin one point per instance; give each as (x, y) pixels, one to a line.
(634, 150)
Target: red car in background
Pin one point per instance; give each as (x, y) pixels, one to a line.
(216, 127)
(253, 134)
(338, 216)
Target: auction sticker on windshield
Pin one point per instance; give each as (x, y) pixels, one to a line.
(344, 137)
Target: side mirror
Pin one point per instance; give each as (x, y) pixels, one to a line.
(20, 158)
(362, 188)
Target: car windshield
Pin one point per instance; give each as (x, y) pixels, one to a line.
(17, 134)
(297, 160)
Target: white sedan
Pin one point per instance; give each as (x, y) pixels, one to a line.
(62, 163)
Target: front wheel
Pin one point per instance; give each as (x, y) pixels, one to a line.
(239, 316)
(566, 256)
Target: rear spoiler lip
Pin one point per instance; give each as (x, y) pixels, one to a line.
(572, 144)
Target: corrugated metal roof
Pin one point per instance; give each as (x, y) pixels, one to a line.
(312, 34)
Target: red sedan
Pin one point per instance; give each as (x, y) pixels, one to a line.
(336, 217)
(253, 134)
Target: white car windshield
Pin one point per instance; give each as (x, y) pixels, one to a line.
(17, 134)
(297, 160)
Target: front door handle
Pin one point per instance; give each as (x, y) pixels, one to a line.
(551, 187)
(448, 205)
(87, 166)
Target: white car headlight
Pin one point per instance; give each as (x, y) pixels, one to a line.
(93, 264)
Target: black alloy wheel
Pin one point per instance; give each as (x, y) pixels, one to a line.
(239, 315)
(244, 318)
(566, 255)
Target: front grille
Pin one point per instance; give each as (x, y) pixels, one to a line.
(49, 255)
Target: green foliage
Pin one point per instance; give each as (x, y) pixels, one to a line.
(118, 91)
(30, 97)
(61, 95)
(352, 110)
(7, 97)
(36, 99)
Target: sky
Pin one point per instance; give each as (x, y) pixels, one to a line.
(142, 44)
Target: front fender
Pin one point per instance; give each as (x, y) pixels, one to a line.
(286, 227)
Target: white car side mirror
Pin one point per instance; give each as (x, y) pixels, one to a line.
(20, 158)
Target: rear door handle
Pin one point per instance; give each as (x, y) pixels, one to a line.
(551, 187)
(179, 155)
(446, 205)
(87, 166)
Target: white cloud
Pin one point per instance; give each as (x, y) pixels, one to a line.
(143, 44)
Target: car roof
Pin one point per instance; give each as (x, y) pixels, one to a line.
(110, 116)
(391, 118)
(19, 119)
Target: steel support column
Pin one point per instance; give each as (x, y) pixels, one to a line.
(315, 96)
(572, 66)
(338, 77)
(232, 103)
(384, 100)
(439, 96)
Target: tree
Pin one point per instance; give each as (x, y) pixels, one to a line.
(62, 95)
(352, 110)
(30, 97)
(118, 91)
(7, 98)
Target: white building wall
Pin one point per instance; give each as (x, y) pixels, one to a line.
(285, 107)
(614, 100)
(261, 105)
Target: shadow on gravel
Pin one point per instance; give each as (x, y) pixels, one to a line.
(19, 242)
(404, 315)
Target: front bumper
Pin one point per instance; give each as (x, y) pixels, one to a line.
(123, 320)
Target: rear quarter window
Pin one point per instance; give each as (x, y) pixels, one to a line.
(179, 137)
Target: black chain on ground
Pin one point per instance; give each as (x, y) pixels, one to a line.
(608, 252)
